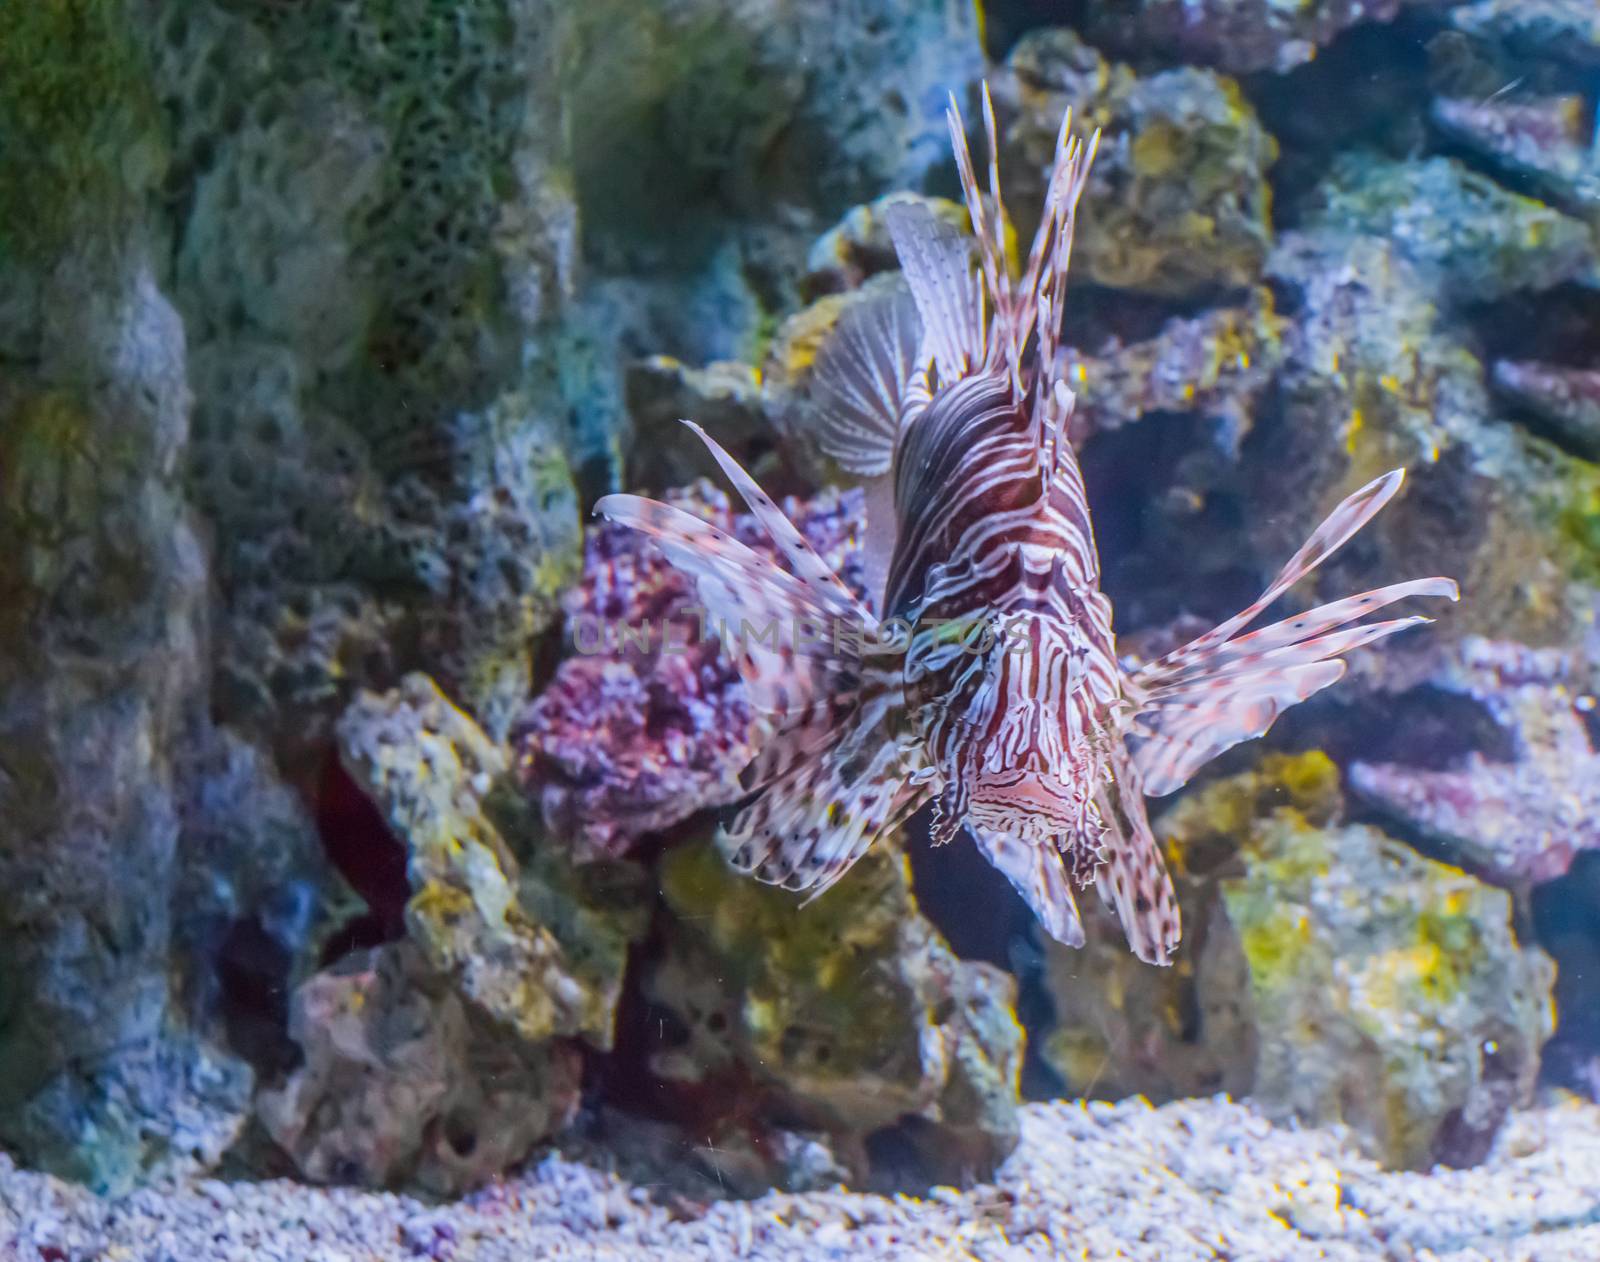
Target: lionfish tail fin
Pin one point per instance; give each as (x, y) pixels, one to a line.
(1036, 872)
(1224, 688)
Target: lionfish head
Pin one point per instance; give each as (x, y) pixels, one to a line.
(1031, 804)
(1034, 760)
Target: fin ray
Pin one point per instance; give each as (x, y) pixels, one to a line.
(860, 380)
(934, 260)
(1037, 873)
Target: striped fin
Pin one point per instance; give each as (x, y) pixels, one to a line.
(809, 827)
(1181, 737)
(835, 772)
(1035, 303)
(1223, 688)
(1350, 516)
(803, 559)
(1134, 879)
(860, 379)
(991, 237)
(738, 588)
(1038, 874)
(935, 262)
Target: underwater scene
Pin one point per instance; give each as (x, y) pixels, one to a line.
(799, 629)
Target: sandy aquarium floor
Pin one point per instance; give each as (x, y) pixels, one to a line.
(1204, 1179)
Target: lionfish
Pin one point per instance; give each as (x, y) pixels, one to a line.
(947, 395)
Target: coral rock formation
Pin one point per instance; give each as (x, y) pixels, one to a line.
(1333, 974)
(1178, 202)
(851, 1012)
(414, 1050)
(1520, 812)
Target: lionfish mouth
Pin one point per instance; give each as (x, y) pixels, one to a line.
(1025, 804)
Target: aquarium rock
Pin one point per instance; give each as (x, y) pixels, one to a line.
(373, 456)
(1474, 240)
(1238, 36)
(109, 1070)
(412, 1050)
(1519, 811)
(403, 1080)
(1333, 975)
(851, 1015)
(1566, 400)
(430, 768)
(1216, 365)
(1567, 30)
(1547, 140)
(1177, 205)
(725, 396)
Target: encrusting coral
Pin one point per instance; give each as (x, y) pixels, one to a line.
(648, 722)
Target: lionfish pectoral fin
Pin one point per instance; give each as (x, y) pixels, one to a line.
(935, 261)
(1174, 739)
(859, 381)
(811, 825)
(1224, 688)
(1036, 872)
(1133, 878)
(803, 559)
(756, 606)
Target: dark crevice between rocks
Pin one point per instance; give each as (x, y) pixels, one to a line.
(621, 1083)
(363, 850)
(1566, 921)
(915, 1154)
(1555, 326)
(964, 896)
(1426, 727)
(1367, 87)
(253, 974)
(1128, 316)
(1007, 21)
(1149, 580)
(1522, 183)
(1541, 428)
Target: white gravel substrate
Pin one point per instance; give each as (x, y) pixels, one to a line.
(1201, 1179)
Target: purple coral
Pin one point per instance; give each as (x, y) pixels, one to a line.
(629, 739)
(1511, 821)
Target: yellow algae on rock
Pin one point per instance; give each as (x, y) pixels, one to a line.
(851, 1008)
(1333, 974)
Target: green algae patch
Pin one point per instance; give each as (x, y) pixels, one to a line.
(851, 1009)
(80, 127)
(1205, 828)
(818, 999)
(1389, 990)
(1328, 971)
